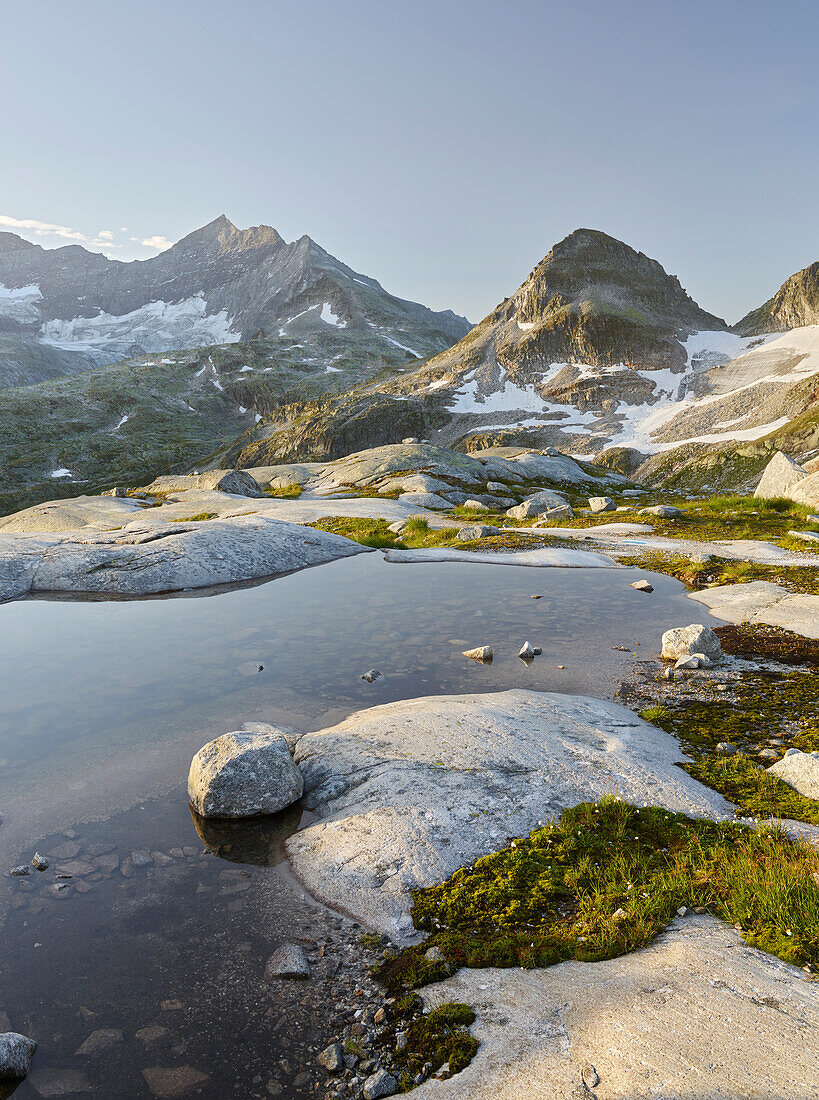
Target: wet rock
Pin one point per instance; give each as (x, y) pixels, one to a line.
(168, 1082)
(332, 1058)
(526, 652)
(480, 653)
(16, 1052)
(242, 774)
(602, 504)
(98, 1042)
(687, 640)
(642, 586)
(287, 961)
(141, 858)
(38, 862)
(21, 871)
(371, 676)
(68, 850)
(152, 1033)
(59, 1082)
(379, 1084)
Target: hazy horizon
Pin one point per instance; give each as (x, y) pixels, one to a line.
(440, 149)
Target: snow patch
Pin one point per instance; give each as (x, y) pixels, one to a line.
(61, 472)
(331, 318)
(403, 347)
(20, 303)
(124, 420)
(154, 327)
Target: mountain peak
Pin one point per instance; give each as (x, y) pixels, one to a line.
(221, 236)
(794, 305)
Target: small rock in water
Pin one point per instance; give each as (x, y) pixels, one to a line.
(527, 651)
(38, 862)
(287, 961)
(16, 1052)
(98, 1042)
(536, 650)
(332, 1058)
(643, 586)
(540, 597)
(141, 858)
(480, 653)
(380, 1084)
(164, 1081)
(18, 872)
(371, 676)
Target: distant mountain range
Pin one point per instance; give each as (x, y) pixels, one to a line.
(260, 351)
(599, 350)
(67, 309)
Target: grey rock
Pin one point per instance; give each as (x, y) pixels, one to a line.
(19, 872)
(38, 862)
(16, 1052)
(686, 640)
(379, 1084)
(332, 1058)
(237, 483)
(496, 487)
(471, 531)
(642, 586)
(475, 505)
(602, 504)
(805, 536)
(704, 660)
(434, 954)
(799, 770)
(690, 662)
(725, 748)
(141, 858)
(666, 511)
(287, 961)
(781, 475)
(242, 774)
(769, 754)
(431, 501)
(526, 651)
(371, 676)
(537, 504)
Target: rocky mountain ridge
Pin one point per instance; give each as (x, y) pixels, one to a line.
(217, 285)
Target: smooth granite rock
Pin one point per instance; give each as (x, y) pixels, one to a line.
(799, 770)
(16, 1052)
(684, 641)
(408, 792)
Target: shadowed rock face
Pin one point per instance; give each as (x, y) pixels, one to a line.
(796, 303)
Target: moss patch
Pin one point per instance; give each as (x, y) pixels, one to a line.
(437, 1038)
(602, 882)
(288, 492)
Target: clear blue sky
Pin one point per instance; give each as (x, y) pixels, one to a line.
(441, 146)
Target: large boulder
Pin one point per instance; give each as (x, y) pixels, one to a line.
(406, 793)
(602, 504)
(686, 641)
(780, 476)
(430, 501)
(242, 774)
(799, 770)
(238, 483)
(16, 1052)
(805, 491)
(537, 504)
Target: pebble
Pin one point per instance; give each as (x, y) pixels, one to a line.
(526, 652)
(643, 586)
(371, 676)
(332, 1058)
(287, 961)
(38, 862)
(19, 872)
(141, 858)
(480, 653)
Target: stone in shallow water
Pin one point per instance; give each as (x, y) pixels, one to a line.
(168, 1082)
(98, 1042)
(480, 653)
(287, 961)
(59, 1082)
(242, 774)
